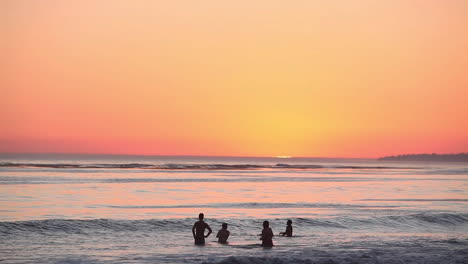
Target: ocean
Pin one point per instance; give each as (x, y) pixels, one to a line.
(140, 209)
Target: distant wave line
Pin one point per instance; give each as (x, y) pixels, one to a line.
(174, 166)
(12, 180)
(416, 200)
(250, 205)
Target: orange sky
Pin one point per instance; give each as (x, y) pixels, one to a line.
(329, 78)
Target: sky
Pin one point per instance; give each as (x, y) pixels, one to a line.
(315, 78)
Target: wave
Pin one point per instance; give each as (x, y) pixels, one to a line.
(387, 256)
(415, 200)
(253, 205)
(77, 226)
(15, 180)
(174, 166)
(267, 260)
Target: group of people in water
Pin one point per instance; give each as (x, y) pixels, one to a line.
(198, 231)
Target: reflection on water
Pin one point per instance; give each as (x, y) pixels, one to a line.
(103, 194)
(139, 215)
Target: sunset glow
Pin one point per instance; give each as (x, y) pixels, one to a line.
(358, 78)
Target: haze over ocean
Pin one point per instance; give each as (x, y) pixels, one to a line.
(136, 209)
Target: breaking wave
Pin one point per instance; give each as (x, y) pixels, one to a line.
(388, 256)
(172, 166)
(77, 226)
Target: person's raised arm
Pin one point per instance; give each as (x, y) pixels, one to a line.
(209, 230)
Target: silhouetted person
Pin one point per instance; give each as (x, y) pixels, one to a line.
(289, 229)
(267, 235)
(198, 230)
(223, 234)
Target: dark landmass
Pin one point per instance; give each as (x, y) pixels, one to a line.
(461, 157)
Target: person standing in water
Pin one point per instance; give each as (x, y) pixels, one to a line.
(267, 235)
(198, 230)
(289, 229)
(223, 234)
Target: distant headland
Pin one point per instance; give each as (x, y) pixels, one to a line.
(461, 157)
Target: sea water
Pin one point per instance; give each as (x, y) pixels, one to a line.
(140, 209)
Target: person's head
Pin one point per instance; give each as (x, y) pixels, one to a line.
(224, 226)
(201, 216)
(289, 222)
(266, 224)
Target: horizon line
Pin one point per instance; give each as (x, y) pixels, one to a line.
(281, 157)
(162, 155)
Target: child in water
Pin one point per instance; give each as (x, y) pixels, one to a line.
(267, 235)
(223, 234)
(289, 229)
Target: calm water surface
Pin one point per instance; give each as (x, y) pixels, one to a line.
(123, 209)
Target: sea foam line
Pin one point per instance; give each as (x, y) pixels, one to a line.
(172, 166)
